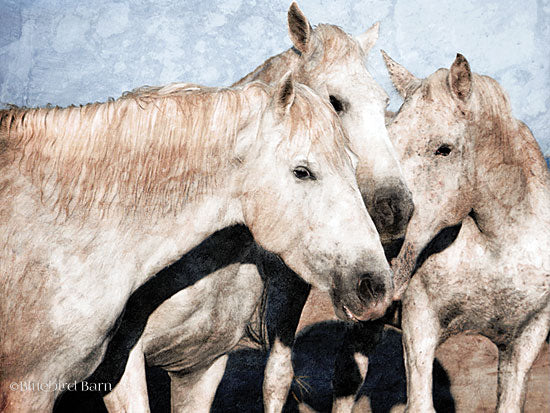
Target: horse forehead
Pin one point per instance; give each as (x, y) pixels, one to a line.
(422, 124)
(353, 79)
(318, 139)
(342, 67)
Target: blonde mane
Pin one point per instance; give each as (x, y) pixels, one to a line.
(315, 117)
(153, 149)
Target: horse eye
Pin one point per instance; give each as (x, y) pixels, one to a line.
(443, 150)
(337, 104)
(302, 173)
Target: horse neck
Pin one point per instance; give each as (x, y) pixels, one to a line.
(512, 183)
(273, 69)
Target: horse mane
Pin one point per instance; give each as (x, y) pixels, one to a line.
(494, 105)
(153, 149)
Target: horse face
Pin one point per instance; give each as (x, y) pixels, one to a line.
(332, 63)
(430, 135)
(360, 103)
(302, 202)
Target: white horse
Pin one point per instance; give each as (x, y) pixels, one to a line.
(471, 161)
(190, 334)
(98, 199)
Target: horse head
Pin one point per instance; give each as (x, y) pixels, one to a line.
(332, 63)
(301, 201)
(432, 133)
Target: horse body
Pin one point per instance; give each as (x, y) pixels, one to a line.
(484, 296)
(471, 162)
(98, 199)
(331, 62)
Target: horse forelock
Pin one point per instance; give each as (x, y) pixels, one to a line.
(314, 117)
(331, 46)
(336, 42)
(153, 149)
(512, 140)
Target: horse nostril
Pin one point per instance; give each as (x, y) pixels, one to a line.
(365, 289)
(392, 210)
(386, 211)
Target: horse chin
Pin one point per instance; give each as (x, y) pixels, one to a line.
(376, 311)
(344, 313)
(347, 312)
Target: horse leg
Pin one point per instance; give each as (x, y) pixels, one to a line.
(420, 337)
(195, 392)
(286, 299)
(350, 368)
(278, 377)
(515, 361)
(130, 393)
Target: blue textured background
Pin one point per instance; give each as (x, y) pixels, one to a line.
(70, 51)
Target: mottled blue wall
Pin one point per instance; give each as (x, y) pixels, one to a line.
(70, 51)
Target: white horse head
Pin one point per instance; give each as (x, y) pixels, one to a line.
(307, 207)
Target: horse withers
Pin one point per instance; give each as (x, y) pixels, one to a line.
(97, 199)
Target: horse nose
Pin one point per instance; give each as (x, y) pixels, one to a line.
(370, 289)
(393, 208)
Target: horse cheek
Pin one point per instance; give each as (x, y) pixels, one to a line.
(261, 219)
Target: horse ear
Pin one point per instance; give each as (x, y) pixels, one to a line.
(460, 78)
(403, 80)
(285, 93)
(369, 38)
(299, 28)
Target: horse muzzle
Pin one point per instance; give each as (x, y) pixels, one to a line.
(391, 209)
(368, 301)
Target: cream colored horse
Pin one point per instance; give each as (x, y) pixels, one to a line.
(97, 199)
(190, 334)
(468, 160)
